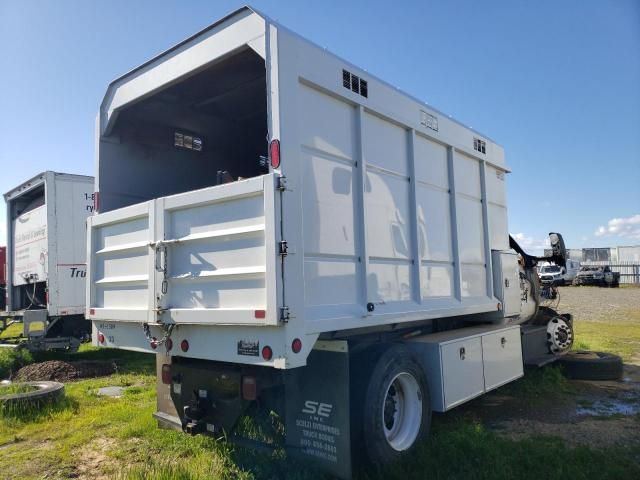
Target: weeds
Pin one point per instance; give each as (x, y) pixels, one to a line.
(12, 360)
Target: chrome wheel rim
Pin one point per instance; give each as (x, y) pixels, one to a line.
(402, 411)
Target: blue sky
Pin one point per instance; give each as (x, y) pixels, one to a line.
(556, 83)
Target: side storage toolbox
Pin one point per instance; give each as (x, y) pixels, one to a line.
(502, 357)
(463, 364)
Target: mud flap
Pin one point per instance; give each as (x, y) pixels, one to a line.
(317, 409)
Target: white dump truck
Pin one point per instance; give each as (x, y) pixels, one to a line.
(277, 224)
(46, 258)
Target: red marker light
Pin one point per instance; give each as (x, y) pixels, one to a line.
(100, 338)
(92, 311)
(260, 313)
(267, 353)
(184, 345)
(154, 343)
(296, 345)
(249, 388)
(166, 374)
(274, 153)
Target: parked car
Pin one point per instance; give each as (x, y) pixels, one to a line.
(597, 275)
(557, 275)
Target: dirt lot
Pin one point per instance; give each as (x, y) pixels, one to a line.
(596, 414)
(601, 304)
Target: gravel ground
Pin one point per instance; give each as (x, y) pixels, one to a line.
(597, 414)
(601, 304)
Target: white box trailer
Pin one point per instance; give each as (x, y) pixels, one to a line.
(46, 257)
(264, 203)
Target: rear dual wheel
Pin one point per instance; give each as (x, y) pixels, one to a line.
(397, 407)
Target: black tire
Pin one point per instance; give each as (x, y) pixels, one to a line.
(394, 361)
(583, 365)
(46, 392)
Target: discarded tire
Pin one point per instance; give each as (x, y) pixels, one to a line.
(45, 392)
(583, 365)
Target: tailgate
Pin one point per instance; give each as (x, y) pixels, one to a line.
(201, 257)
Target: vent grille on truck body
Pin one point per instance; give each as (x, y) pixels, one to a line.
(355, 83)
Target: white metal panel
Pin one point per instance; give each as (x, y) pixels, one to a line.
(462, 371)
(385, 145)
(431, 162)
(199, 51)
(470, 229)
(506, 281)
(218, 262)
(434, 223)
(329, 220)
(387, 205)
(331, 128)
(467, 172)
(213, 243)
(30, 246)
(437, 281)
(121, 285)
(73, 203)
(502, 357)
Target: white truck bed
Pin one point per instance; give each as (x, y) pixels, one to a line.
(389, 210)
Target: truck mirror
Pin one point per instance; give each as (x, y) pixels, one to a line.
(558, 249)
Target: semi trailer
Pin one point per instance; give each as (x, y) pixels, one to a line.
(285, 231)
(46, 252)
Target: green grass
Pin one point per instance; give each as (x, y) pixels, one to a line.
(621, 338)
(12, 389)
(539, 385)
(12, 359)
(13, 330)
(118, 437)
(469, 451)
(62, 439)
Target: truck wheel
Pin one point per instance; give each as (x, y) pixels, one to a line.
(583, 365)
(559, 335)
(397, 407)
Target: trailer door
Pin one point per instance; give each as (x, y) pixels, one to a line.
(201, 257)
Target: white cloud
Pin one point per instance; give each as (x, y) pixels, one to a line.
(628, 227)
(531, 244)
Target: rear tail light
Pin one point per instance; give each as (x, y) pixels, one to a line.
(168, 344)
(184, 345)
(249, 388)
(296, 345)
(154, 343)
(267, 353)
(101, 338)
(274, 153)
(166, 374)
